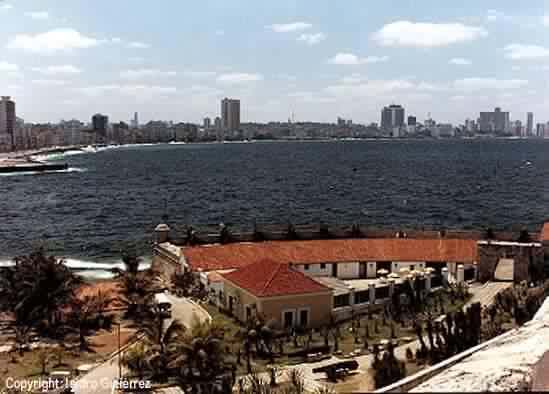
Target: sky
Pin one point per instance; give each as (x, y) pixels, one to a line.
(318, 59)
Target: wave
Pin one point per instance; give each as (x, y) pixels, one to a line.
(80, 266)
(22, 173)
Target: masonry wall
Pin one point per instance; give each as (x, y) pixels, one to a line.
(319, 306)
(526, 257)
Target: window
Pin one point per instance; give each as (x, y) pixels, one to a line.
(362, 297)
(248, 312)
(412, 267)
(322, 266)
(306, 267)
(304, 318)
(341, 300)
(288, 319)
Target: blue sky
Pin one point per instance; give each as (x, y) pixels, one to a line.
(175, 59)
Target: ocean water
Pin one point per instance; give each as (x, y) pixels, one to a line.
(111, 200)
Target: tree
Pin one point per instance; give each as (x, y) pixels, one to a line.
(136, 286)
(84, 316)
(136, 360)
(37, 288)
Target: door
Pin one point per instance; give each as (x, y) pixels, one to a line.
(304, 318)
(288, 319)
(334, 270)
(362, 271)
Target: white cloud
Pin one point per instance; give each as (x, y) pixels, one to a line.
(62, 69)
(39, 15)
(289, 27)
(136, 59)
(199, 74)
(138, 91)
(522, 52)
(146, 73)
(312, 38)
(8, 67)
(238, 78)
(351, 59)
(220, 32)
(116, 40)
(459, 61)
(6, 6)
(478, 84)
(52, 41)
(352, 79)
(98, 90)
(406, 33)
(145, 91)
(138, 45)
(495, 15)
(370, 88)
(49, 82)
(545, 20)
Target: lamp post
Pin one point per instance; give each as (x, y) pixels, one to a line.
(119, 356)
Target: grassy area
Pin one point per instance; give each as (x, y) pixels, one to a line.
(66, 358)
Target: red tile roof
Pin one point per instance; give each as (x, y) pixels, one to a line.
(269, 278)
(544, 237)
(237, 255)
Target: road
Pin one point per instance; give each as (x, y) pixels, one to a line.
(99, 380)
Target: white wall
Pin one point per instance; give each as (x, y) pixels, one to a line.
(371, 270)
(397, 265)
(348, 270)
(315, 269)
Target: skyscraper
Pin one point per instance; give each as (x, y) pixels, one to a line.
(230, 114)
(392, 117)
(100, 124)
(7, 122)
(207, 123)
(135, 121)
(529, 124)
(495, 122)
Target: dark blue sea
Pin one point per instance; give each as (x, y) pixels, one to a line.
(112, 200)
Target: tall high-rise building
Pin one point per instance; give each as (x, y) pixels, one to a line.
(230, 114)
(392, 117)
(494, 122)
(529, 123)
(207, 123)
(7, 122)
(100, 124)
(412, 120)
(135, 121)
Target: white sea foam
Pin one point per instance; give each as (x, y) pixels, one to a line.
(70, 169)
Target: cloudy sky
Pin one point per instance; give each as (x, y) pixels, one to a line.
(175, 59)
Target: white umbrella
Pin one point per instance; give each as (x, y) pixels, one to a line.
(382, 271)
(404, 270)
(394, 276)
(430, 270)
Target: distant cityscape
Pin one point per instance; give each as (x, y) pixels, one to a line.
(16, 134)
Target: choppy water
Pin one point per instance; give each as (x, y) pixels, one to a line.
(113, 199)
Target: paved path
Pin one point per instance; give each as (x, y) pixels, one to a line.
(99, 380)
(486, 293)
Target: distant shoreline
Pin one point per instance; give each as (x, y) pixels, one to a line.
(63, 149)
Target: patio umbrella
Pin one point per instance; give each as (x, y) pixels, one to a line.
(393, 276)
(429, 270)
(382, 271)
(404, 270)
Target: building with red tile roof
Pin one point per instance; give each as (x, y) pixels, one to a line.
(237, 255)
(269, 278)
(284, 296)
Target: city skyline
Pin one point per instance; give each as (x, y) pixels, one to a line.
(62, 58)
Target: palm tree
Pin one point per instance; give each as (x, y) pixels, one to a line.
(200, 355)
(37, 288)
(136, 286)
(136, 360)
